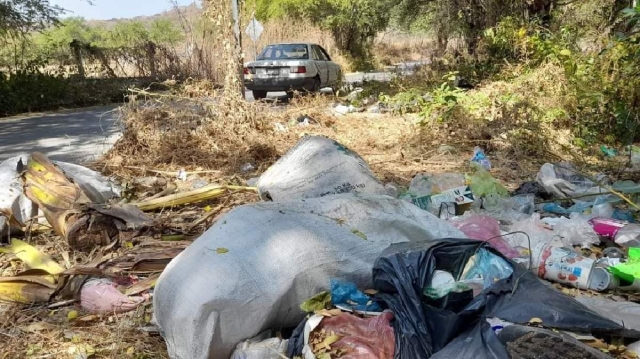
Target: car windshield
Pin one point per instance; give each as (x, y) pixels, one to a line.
(285, 52)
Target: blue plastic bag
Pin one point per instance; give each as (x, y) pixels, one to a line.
(481, 159)
(345, 294)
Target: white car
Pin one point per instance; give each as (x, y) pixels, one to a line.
(289, 68)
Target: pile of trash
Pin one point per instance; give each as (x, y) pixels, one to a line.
(123, 245)
(333, 263)
(336, 264)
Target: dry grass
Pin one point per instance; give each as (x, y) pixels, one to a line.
(394, 47)
(200, 137)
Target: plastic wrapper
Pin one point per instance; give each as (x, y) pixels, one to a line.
(576, 230)
(564, 182)
(485, 228)
(347, 294)
(362, 338)
(604, 210)
(629, 271)
(422, 330)
(509, 209)
(424, 184)
(533, 230)
(482, 184)
(101, 296)
(257, 348)
(480, 159)
(488, 267)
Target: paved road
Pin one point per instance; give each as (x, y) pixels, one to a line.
(74, 136)
(85, 134)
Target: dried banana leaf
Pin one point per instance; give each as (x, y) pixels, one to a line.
(70, 210)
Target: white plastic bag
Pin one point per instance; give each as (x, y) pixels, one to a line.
(575, 231)
(533, 231)
(13, 200)
(317, 167)
(252, 269)
(563, 182)
(259, 348)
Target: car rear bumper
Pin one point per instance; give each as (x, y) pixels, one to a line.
(280, 84)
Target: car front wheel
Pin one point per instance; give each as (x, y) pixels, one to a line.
(259, 95)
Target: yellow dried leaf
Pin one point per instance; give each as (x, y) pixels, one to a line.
(326, 343)
(328, 313)
(33, 258)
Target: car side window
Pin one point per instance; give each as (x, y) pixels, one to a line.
(324, 53)
(319, 54)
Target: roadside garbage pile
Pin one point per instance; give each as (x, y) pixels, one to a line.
(335, 264)
(122, 246)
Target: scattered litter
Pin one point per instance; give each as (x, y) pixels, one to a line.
(16, 205)
(347, 295)
(622, 233)
(425, 328)
(252, 182)
(485, 228)
(101, 296)
(480, 159)
(626, 314)
(343, 110)
(482, 184)
(182, 175)
(575, 231)
(353, 95)
(279, 127)
(563, 181)
(258, 348)
(374, 109)
(247, 167)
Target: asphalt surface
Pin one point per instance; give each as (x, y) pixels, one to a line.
(76, 136)
(83, 135)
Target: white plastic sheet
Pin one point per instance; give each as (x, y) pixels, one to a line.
(253, 268)
(13, 200)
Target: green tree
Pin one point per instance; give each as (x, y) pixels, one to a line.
(164, 31)
(352, 23)
(19, 17)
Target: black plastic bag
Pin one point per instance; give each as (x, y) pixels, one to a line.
(403, 270)
(296, 342)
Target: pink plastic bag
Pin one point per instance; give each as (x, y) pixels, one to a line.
(363, 338)
(485, 228)
(101, 296)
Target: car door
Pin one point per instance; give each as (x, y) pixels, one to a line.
(321, 65)
(335, 72)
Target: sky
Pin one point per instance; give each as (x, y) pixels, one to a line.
(110, 9)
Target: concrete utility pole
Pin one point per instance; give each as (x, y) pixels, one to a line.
(235, 10)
